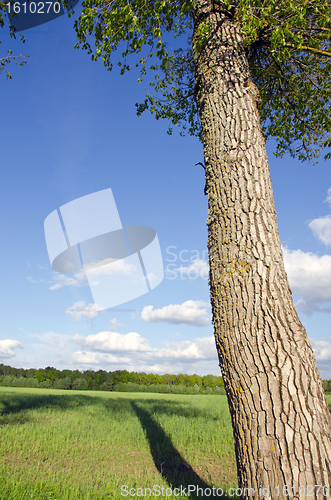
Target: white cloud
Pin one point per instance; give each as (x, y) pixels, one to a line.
(79, 310)
(7, 346)
(321, 228)
(97, 358)
(62, 280)
(322, 349)
(114, 351)
(191, 312)
(112, 342)
(328, 198)
(197, 349)
(310, 278)
(133, 352)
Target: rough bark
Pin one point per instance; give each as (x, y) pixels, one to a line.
(281, 421)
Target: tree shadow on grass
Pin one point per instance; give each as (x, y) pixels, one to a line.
(168, 461)
(14, 404)
(19, 403)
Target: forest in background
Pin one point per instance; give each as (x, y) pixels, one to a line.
(101, 380)
(118, 380)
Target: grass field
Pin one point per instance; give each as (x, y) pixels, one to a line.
(68, 445)
(58, 445)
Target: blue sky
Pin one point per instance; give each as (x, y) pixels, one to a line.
(69, 128)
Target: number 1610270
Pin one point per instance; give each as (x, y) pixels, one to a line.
(33, 8)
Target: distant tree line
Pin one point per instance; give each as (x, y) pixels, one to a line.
(326, 385)
(101, 380)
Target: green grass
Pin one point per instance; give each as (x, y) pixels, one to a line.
(58, 445)
(61, 445)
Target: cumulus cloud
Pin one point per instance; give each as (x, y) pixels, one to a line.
(7, 347)
(94, 358)
(310, 278)
(191, 312)
(328, 198)
(61, 280)
(79, 310)
(114, 351)
(197, 349)
(112, 342)
(133, 352)
(321, 229)
(322, 349)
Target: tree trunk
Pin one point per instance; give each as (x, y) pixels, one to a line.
(280, 418)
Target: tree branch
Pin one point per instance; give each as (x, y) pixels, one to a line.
(309, 49)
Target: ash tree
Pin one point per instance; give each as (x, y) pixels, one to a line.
(248, 70)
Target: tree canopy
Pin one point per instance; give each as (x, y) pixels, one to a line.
(287, 45)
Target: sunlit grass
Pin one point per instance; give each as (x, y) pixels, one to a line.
(86, 445)
(61, 445)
